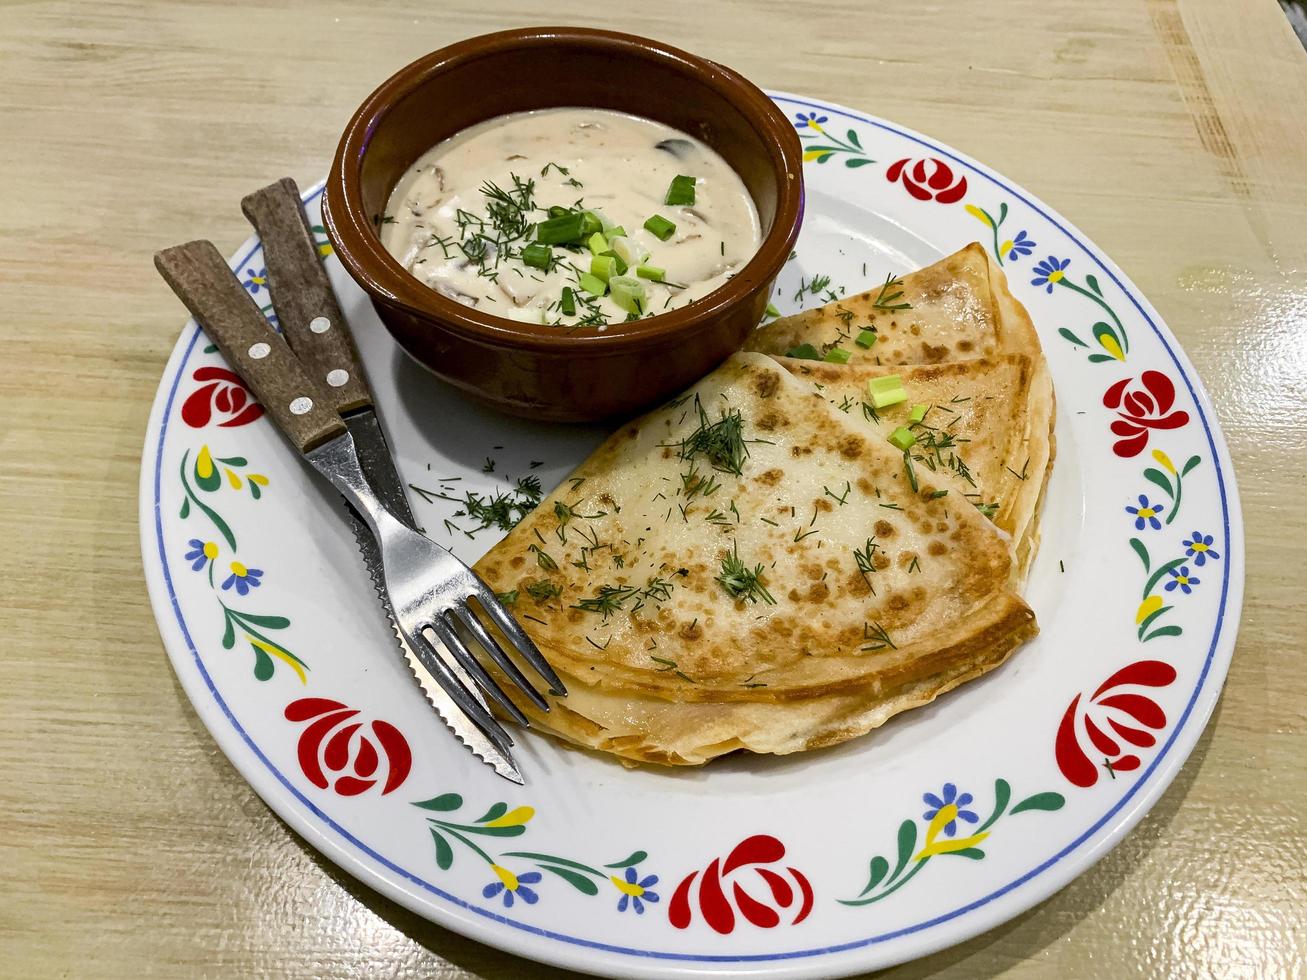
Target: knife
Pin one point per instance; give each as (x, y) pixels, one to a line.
(315, 328)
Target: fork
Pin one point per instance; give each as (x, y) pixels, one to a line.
(430, 589)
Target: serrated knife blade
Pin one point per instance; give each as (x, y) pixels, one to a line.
(379, 467)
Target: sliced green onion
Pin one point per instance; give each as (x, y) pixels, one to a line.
(591, 223)
(615, 231)
(557, 211)
(681, 191)
(888, 383)
(918, 413)
(603, 267)
(650, 272)
(631, 252)
(804, 352)
(771, 310)
(902, 439)
(597, 243)
(865, 339)
(592, 284)
(884, 399)
(568, 303)
(605, 222)
(537, 256)
(837, 355)
(561, 230)
(621, 265)
(660, 227)
(628, 293)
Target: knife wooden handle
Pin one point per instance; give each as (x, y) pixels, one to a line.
(294, 401)
(307, 310)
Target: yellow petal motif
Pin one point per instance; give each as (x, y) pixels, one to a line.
(1147, 608)
(507, 877)
(975, 212)
(204, 464)
(946, 815)
(233, 479)
(810, 155)
(1106, 341)
(1164, 461)
(280, 654)
(626, 887)
(258, 478)
(324, 249)
(513, 818)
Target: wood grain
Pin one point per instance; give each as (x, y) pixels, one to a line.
(1171, 131)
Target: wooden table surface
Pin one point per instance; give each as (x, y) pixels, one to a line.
(1171, 131)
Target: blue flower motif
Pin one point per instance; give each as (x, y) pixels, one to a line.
(255, 280)
(517, 887)
(810, 119)
(1181, 577)
(242, 578)
(1199, 548)
(949, 796)
(1146, 513)
(1049, 272)
(636, 892)
(1021, 245)
(201, 553)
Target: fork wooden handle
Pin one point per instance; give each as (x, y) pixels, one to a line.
(307, 309)
(293, 400)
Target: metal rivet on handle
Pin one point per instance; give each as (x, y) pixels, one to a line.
(337, 377)
(319, 324)
(260, 350)
(301, 406)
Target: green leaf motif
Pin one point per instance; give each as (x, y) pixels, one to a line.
(186, 509)
(234, 460)
(1041, 801)
(229, 633)
(1093, 284)
(824, 157)
(263, 665)
(1163, 631)
(1100, 358)
(855, 162)
(268, 622)
(878, 869)
(1193, 461)
(444, 853)
(516, 831)
(635, 858)
(1143, 627)
(907, 844)
(443, 803)
(974, 853)
(1002, 211)
(255, 492)
(853, 138)
(494, 813)
(1141, 551)
(1072, 337)
(1159, 478)
(578, 881)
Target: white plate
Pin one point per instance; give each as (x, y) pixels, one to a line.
(827, 863)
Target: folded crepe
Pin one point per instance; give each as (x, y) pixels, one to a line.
(956, 310)
(979, 435)
(750, 567)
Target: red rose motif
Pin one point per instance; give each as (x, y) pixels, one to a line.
(928, 179)
(224, 395)
(332, 745)
(788, 890)
(1140, 410)
(1109, 717)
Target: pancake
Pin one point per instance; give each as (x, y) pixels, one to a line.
(977, 432)
(750, 555)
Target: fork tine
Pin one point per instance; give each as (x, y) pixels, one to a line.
(465, 699)
(497, 654)
(455, 645)
(517, 636)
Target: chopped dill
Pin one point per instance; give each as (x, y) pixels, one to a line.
(742, 583)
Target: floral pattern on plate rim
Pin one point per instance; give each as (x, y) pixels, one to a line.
(1116, 720)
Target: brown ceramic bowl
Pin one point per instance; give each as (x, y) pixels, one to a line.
(541, 371)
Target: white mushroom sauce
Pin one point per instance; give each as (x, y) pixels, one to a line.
(571, 217)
